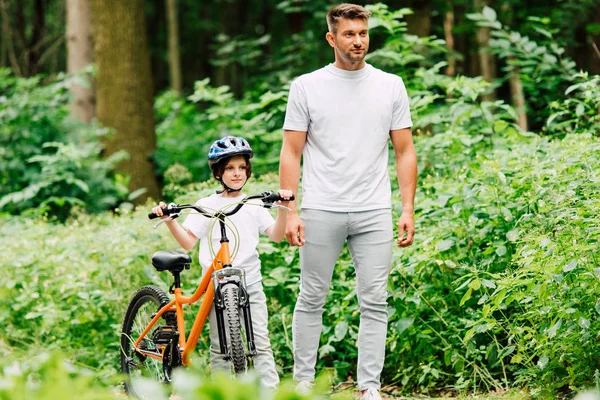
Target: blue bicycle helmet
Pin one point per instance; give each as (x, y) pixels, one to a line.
(228, 146)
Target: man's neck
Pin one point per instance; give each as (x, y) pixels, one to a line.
(348, 66)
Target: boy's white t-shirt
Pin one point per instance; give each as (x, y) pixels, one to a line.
(348, 116)
(249, 222)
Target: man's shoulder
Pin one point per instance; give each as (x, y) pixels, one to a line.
(311, 76)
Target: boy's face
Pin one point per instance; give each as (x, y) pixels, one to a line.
(234, 174)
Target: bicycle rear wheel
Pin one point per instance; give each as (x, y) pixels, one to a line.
(157, 366)
(239, 360)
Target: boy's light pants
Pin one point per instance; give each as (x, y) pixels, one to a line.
(370, 236)
(264, 362)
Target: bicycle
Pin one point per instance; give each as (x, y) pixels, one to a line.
(153, 340)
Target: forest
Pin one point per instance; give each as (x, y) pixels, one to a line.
(108, 106)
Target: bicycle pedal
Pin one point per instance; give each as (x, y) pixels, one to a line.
(163, 335)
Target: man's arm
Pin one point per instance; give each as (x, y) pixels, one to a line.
(289, 177)
(406, 170)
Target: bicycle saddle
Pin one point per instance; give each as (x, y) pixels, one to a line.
(174, 261)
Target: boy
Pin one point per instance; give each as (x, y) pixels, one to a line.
(229, 160)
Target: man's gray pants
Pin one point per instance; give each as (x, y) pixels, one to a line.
(264, 363)
(370, 236)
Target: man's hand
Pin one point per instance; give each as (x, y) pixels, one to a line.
(406, 229)
(294, 230)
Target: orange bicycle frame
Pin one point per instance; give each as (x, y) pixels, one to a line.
(205, 288)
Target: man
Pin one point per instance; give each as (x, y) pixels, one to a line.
(339, 119)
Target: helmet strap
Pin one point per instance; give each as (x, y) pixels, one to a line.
(227, 188)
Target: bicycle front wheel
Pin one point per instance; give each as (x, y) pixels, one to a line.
(153, 362)
(239, 359)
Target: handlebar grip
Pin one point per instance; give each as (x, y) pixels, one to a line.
(166, 211)
(272, 197)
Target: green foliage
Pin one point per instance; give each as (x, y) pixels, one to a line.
(579, 111)
(475, 304)
(499, 290)
(49, 164)
(544, 69)
(185, 133)
(49, 376)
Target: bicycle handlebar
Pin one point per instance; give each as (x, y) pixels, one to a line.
(268, 198)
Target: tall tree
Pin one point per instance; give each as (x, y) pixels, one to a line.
(487, 61)
(517, 95)
(124, 88)
(449, 36)
(419, 23)
(80, 54)
(8, 37)
(174, 58)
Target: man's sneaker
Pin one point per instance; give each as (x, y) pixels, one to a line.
(304, 387)
(370, 394)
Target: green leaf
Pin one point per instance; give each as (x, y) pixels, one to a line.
(326, 349)
(554, 329)
(466, 296)
(489, 284)
(475, 284)
(500, 126)
(583, 323)
(501, 250)
(403, 324)
(444, 245)
(513, 235)
(570, 266)
(507, 351)
(489, 13)
(341, 329)
(543, 361)
(469, 334)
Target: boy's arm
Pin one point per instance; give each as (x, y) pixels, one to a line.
(276, 231)
(185, 238)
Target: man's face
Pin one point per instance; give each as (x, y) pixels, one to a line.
(351, 42)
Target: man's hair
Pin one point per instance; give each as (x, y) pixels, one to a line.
(346, 10)
(219, 168)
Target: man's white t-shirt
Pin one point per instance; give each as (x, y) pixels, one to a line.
(348, 116)
(249, 222)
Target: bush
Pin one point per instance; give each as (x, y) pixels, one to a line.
(49, 164)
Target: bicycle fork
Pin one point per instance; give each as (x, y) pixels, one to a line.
(232, 276)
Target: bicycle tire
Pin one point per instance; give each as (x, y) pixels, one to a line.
(144, 303)
(239, 360)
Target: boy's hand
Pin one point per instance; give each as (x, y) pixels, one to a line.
(158, 210)
(286, 194)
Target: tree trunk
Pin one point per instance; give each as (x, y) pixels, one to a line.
(448, 26)
(514, 79)
(8, 36)
(230, 25)
(80, 54)
(487, 62)
(594, 64)
(419, 23)
(124, 88)
(39, 28)
(174, 58)
(517, 96)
